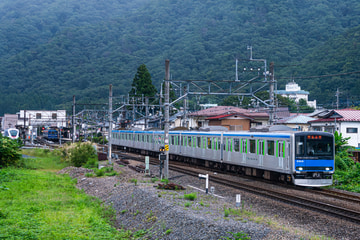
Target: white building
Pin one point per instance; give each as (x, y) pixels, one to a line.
(345, 121)
(35, 118)
(293, 91)
(9, 121)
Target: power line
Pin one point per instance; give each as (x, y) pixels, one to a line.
(322, 76)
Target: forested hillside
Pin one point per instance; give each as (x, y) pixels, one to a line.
(54, 49)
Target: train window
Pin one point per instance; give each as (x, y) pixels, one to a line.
(172, 140)
(218, 144)
(198, 140)
(236, 145)
(270, 147)
(252, 146)
(189, 141)
(209, 143)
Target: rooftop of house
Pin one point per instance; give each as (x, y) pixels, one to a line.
(342, 115)
(297, 119)
(228, 110)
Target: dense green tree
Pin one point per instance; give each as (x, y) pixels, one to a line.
(343, 160)
(142, 84)
(52, 51)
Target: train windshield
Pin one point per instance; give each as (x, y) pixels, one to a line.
(314, 146)
(13, 133)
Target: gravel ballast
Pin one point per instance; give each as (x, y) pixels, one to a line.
(166, 214)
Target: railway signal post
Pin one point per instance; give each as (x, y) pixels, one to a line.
(162, 159)
(167, 116)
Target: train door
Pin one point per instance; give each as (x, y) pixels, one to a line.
(281, 154)
(203, 146)
(261, 148)
(244, 150)
(227, 149)
(287, 155)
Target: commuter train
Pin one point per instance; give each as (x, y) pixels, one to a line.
(12, 133)
(51, 134)
(300, 158)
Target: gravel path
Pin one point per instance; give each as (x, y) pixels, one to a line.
(166, 214)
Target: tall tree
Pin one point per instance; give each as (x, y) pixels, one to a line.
(142, 83)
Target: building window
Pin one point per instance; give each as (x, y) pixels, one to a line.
(38, 116)
(54, 116)
(351, 130)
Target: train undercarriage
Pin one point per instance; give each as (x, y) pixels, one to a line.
(217, 166)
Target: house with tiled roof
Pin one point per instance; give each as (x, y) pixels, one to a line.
(298, 122)
(233, 118)
(345, 121)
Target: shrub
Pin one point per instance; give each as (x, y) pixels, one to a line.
(79, 154)
(190, 196)
(134, 180)
(9, 152)
(226, 212)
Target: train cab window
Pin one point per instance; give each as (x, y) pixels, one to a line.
(236, 145)
(270, 147)
(299, 146)
(209, 143)
(252, 146)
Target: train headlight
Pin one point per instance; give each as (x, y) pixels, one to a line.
(299, 168)
(327, 169)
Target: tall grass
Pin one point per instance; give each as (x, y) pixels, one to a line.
(44, 159)
(36, 203)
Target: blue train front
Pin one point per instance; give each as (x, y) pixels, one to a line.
(314, 159)
(301, 158)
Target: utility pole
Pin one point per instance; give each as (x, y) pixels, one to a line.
(337, 98)
(146, 111)
(73, 120)
(271, 92)
(24, 131)
(110, 123)
(166, 129)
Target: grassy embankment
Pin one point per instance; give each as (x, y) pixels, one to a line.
(37, 203)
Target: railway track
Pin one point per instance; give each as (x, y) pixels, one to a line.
(310, 204)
